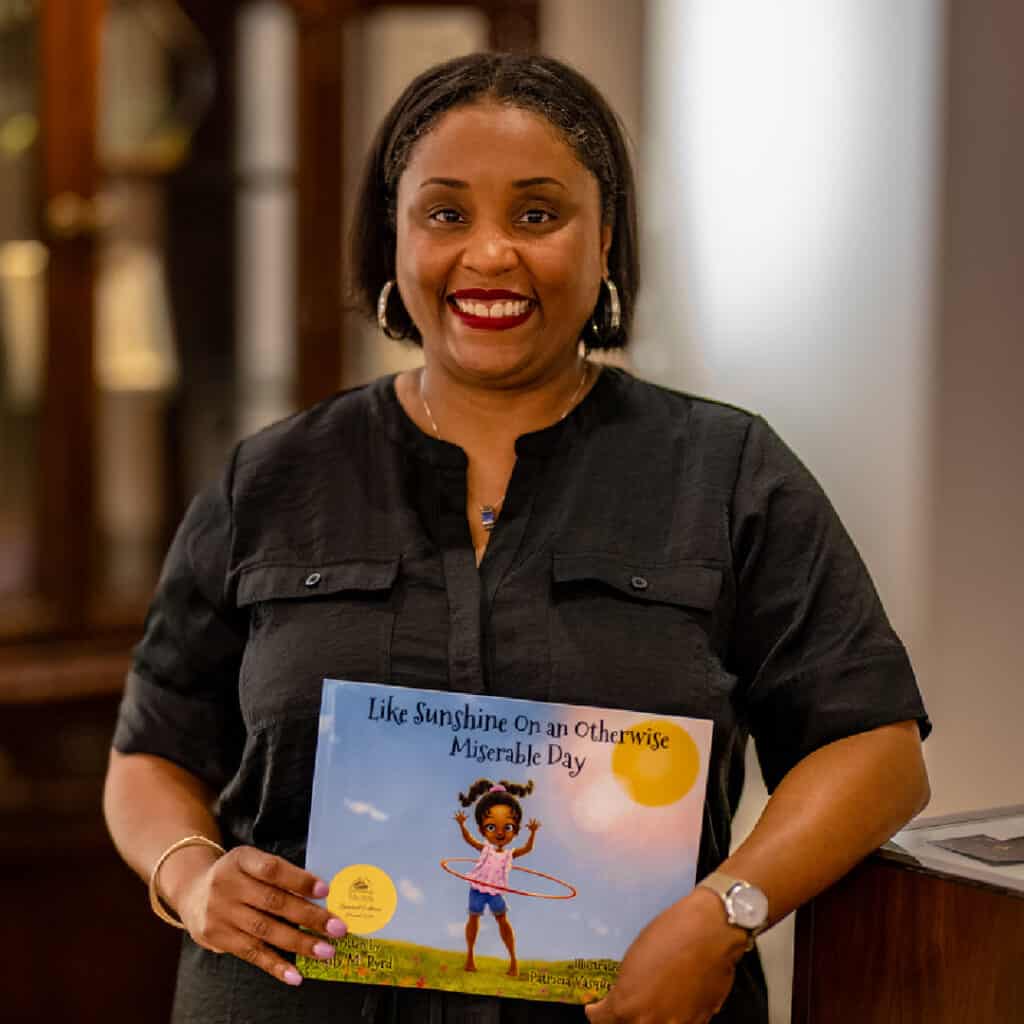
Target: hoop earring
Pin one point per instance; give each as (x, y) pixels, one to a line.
(613, 299)
(614, 314)
(382, 311)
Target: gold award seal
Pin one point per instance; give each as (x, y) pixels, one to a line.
(364, 897)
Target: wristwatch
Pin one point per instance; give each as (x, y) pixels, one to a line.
(746, 906)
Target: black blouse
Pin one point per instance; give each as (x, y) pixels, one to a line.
(655, 551)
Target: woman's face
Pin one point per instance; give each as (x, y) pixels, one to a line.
(501, 246)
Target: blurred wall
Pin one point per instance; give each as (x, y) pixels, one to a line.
(790, 180)
(973, 659)
(834, 238)
(605, 39)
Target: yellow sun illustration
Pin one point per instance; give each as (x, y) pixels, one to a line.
(657, 777)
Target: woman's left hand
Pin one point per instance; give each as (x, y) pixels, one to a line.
(679, 969)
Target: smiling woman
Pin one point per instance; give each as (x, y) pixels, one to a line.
(570, 117)
(501, 267)
(511, 242)
(511, 519)
(501, 245)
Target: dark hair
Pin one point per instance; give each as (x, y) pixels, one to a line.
(541, 85)
(507, 796)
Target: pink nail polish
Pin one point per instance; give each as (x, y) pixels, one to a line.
(336, 927)
(324, 950)
(320, 890)
(292, 976)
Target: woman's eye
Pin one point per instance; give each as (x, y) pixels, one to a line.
(538, 216)
(509, 828)
(446, 216)
(488, 828)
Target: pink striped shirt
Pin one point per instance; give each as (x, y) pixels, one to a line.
(492, 868)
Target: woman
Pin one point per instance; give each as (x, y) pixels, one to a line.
(513, 520)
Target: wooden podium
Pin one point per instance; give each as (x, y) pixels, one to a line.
(917, 934)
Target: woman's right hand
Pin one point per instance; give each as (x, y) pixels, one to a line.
(250, 903)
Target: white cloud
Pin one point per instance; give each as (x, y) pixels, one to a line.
(456, 928)
(599, 927)
(411, 892)
(362, 807)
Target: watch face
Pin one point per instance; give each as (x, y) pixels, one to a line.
(748, 906)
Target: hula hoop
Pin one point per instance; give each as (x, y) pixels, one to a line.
(504, 888)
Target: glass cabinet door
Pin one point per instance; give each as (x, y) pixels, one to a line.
(155, 84)
(148, 216)
(23, 260)
(98, 103)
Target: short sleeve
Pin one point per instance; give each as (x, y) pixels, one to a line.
(181, 696)
(812, 643)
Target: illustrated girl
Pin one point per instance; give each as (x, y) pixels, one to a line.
(499, 819)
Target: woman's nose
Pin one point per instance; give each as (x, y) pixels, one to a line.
(490, 252)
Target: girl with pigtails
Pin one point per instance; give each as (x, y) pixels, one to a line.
(499, 818)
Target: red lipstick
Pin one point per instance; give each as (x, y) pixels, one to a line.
(490, 295)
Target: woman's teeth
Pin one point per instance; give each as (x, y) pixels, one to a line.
(492, 309)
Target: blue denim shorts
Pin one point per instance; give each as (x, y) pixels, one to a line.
(478, 900)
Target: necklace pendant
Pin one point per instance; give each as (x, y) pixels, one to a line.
(488, 517)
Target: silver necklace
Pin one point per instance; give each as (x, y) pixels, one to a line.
(489, 513)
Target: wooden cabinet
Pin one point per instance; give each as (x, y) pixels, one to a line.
(913, 938)
(77, 938)
(123, 194)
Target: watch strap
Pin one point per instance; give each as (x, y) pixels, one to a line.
(719, 882)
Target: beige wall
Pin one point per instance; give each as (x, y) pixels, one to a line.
(893, 360)
(605, 40)
(974, 661)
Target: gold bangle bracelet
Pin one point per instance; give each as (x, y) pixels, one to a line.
(156, 900)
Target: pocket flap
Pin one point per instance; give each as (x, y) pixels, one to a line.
(686, 583)
(301, 582)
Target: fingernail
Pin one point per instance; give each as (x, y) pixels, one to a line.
(336, 927)
(324, 950)
(292, 976)
(320, 890)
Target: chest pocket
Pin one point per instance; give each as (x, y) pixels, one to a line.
(310, 622)
(633, 635)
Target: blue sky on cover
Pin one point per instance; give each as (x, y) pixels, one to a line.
(386, 794)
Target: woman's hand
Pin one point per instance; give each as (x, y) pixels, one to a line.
(460, 817)
(533, 824)
(679, 969)
(250, 904)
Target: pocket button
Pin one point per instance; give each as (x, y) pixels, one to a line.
(313, 579)
(639, 583)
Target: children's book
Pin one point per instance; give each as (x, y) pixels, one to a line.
(495, 846)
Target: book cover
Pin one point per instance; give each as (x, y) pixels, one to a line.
(497, 846)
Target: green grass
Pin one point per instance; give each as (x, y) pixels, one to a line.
(384, 962)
